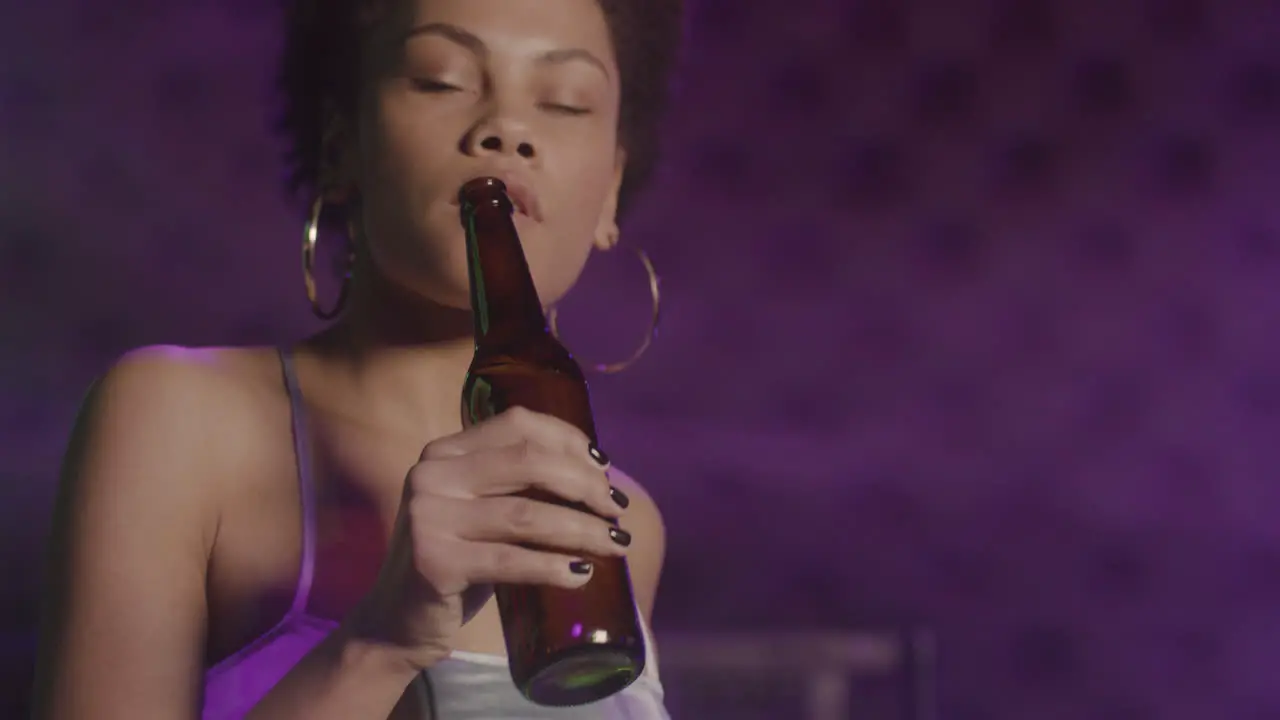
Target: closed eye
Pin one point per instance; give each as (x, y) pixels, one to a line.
(566, 109)
(433, 86)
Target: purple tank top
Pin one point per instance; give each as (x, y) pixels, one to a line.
(467, 686)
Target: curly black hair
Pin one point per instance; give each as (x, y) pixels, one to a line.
(320, 72)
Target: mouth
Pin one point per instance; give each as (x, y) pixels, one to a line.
(523, 199)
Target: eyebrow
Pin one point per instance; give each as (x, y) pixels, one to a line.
(449, 32)
(470, 41)
(557, 57)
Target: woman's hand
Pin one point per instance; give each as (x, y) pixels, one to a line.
(462, 528)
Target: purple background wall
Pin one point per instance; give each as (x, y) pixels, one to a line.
(971, 311)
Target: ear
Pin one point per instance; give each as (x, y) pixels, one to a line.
(607, 227)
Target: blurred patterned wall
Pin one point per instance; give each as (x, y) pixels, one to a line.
(970, 310)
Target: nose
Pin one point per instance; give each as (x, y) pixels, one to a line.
(500, 136)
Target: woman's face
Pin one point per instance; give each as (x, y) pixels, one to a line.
(526, 90)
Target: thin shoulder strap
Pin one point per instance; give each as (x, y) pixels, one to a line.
(306, 485)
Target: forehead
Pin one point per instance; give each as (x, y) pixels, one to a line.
(515, 27)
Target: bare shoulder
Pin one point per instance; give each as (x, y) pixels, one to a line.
(134, 522)
(182, 419)
(160, 375)
(176, 390)
(643, 520)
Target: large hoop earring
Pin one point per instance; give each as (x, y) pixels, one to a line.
(309, 236)
(655, 291)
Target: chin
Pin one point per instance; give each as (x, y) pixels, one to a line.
(452, 302)
(427, 285)
(446, 294)
(437, 271)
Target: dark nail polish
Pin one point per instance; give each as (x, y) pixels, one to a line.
(580, 567)
(598, 455)
(620, 536)
(619, 497)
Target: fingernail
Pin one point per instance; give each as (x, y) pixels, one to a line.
(580, 567)
(619, 497)
(598, 455)
(620, 536)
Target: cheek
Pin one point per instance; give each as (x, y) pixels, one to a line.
(399, 159)
(393, 151)
(556, 269)
(591, 180)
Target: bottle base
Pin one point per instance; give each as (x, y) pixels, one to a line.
(582, 675)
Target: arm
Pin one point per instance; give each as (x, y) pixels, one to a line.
(648, 550)
(125, 607)
(346, 678)
(134, 527)
(342, 678)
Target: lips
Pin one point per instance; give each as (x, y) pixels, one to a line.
(521, 195)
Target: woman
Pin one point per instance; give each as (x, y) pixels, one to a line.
(222, 543)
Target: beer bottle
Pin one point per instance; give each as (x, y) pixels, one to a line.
(564, 647)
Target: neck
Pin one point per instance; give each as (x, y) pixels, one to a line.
(394, 359)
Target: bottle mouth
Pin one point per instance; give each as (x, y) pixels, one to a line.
(505, 193)
(481, 188)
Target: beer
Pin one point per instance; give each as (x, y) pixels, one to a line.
(564, 647)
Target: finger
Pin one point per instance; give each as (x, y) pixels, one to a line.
(522, 520)
(518, 468)
(518, 425)
(508, 564)
(450, 564)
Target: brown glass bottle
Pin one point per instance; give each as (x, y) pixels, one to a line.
(564, 647)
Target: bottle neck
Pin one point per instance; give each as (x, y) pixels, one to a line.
(504, 301)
